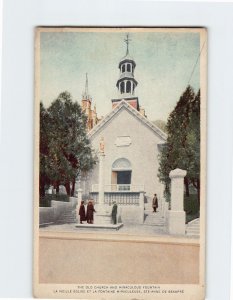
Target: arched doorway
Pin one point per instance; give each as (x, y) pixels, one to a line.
(122, 173)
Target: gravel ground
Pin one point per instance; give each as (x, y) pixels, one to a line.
(133, 229)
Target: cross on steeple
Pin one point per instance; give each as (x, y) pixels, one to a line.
(127, 40)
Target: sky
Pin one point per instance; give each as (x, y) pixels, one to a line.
(164, 64)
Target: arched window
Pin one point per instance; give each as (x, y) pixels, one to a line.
(122, 87)
(121, 174)
(123, 68)
(128, 87)
(128, 68)
(122, 164)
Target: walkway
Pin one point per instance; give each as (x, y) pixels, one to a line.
(154, 225)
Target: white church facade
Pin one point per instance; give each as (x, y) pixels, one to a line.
(131, 152)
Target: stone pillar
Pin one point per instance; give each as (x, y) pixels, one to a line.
(164, 203)
(165, 209)
(101, 178)
(73, 201)
(79, 195)
(103, 213)
(76, 188)
(79, 199)
(176, 216)
(101, 171)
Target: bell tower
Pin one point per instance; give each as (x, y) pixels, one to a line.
(126, 83)
(91, 114)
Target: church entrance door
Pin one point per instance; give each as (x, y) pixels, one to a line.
(121, 174)
(124, 177)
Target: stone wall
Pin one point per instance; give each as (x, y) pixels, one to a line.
(56, 213)
(46, 215)
(130, 214)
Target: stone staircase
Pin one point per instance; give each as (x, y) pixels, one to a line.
(68, 216)
(151, 218)
(193, 228)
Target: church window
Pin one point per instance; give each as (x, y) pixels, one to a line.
(122, 85)
(123, 68)
(121, 164)
(128, 67)
(122, 172)
(128, 86)
(124, 179)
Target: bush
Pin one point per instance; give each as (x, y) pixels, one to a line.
(46, 200)
(191, 207)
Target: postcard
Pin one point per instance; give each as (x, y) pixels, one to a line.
(120, 162)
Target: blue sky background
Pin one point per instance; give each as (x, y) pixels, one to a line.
(164, 62)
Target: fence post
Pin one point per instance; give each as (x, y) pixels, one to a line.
(176, 216)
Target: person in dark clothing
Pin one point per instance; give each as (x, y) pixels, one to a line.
(90, 212)
(114, 213)
(82, 212)
(155, 203)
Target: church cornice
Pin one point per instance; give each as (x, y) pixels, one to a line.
(128, 98)
(127, 74)
(126, 60)
(126, 78)
(133, 111)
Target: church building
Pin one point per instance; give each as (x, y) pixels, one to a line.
(92, 118)
(131, 149)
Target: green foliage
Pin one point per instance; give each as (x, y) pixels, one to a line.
(65, 149)
(183, 142)
(45, 201)
(191, 208)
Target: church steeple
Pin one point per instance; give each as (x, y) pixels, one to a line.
(91, 114)
(86, 95)
(126, 83)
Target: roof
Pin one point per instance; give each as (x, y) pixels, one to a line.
(127, 58)
(124, 105)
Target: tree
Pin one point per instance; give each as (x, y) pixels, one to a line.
(183, 142)
(193, 142)
(68, 151)
(44, 149)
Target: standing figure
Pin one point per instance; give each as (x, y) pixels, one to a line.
(90, 212)
(114, 213)
(82, 212)
(155, 202)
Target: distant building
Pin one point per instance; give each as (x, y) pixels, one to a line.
(92, 118)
